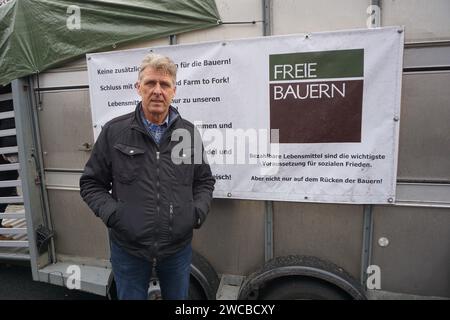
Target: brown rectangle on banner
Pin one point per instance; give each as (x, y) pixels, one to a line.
(317, 112)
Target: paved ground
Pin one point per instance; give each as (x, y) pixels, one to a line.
(16, 283)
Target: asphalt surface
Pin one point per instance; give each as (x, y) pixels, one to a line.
(16, 283)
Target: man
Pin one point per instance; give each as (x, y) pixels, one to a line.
(155, 201)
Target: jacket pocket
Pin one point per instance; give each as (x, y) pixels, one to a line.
(127, 163)
(115, 221)
(182, 219)
(131, 222)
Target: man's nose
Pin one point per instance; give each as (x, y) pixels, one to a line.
(157, 89)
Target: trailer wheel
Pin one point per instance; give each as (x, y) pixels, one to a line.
(196, 291)
(204, 279)
(301, 277)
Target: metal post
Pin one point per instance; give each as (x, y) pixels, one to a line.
(32, 193)
(268, 214)
(173, 39)
(366, 256)
(40, 166)
(376, 3)
(268, 228)
(374, 10)
(267, 17)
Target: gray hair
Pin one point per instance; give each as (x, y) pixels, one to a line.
(160, 63)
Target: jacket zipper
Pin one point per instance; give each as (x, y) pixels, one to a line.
(158, 207)
(170, 218)
(139, 128)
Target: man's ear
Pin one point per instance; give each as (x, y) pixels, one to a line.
(137, 85)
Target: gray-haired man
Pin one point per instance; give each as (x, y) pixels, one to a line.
(156, 202)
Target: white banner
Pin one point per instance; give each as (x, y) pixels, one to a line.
(331, 100)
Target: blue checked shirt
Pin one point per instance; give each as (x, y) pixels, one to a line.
(156, 131)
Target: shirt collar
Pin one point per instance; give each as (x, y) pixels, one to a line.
(148, 123)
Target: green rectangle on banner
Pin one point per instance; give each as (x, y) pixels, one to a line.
(317, 65)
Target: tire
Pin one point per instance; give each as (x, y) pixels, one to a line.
(300, 277)
(204, 280)
(196, 291)
(300, 288)
(112, 291)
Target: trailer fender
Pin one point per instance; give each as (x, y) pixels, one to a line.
(300, 277)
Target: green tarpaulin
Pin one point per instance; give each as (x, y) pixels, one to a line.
(38, 34)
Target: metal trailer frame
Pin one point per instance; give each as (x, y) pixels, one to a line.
(44, 265)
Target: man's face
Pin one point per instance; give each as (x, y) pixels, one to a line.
(157, 90)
